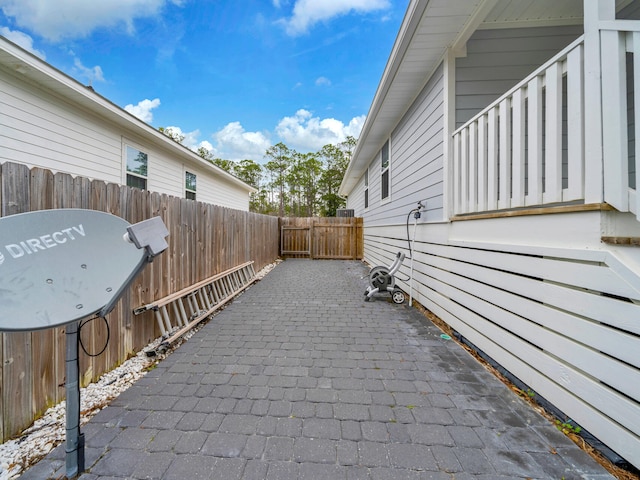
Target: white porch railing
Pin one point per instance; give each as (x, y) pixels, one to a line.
(527, 148)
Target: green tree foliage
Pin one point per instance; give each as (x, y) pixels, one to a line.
(290, 183)
(335, 159)
(279, 160)
(302, 184)
(172, 134)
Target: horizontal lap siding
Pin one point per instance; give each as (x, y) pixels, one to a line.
(355, 200)
(227, 194)
(416, 153)
(38, 129)
(165, 173)
(496, 60)
(564, 321)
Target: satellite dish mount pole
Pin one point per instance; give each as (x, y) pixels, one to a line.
(74, 447)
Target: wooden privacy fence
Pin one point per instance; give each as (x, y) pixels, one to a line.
(204, 241)
(322, 238)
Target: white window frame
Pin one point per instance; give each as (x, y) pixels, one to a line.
(385, 169)
(367, 197)
(188, 190)
(126, 144)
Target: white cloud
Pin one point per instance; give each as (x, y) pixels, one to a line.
(143, 109)
(323, 82)
(307, 13)
(22, 40)
(233, 142)
(191, 139)
(305, 132)
(77, 18)
(91, 74)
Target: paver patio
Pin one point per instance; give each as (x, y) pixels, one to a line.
(299, 378)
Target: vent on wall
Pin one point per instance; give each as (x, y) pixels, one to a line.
(344, 212)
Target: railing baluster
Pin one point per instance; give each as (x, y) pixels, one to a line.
(534, 146)
(482, 163)
(504, 156)
(553, 135)
(464, 170)
(575, 125)
(518, 123)
(492, 160)
(473, 168)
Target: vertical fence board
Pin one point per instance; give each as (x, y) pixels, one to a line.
(96, 331)
(45, 348)
(18, 406)
(321, 238)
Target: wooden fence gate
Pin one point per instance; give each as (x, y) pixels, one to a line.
(322, 238)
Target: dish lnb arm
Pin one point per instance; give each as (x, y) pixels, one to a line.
(149, 234)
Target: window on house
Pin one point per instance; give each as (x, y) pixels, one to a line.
(190, 186)
(136, 168)
(384, 163)
(366, 188)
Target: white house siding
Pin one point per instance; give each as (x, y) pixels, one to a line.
(559, 311)
(416, 156)
(228, 195)
(39, 129)
(497, 60)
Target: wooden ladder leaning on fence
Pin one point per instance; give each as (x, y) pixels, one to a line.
(179, 312)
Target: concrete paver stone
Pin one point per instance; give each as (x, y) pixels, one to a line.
(299, 378)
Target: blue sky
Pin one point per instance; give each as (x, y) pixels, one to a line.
(234, 76)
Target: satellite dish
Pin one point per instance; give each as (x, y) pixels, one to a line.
(59, 266)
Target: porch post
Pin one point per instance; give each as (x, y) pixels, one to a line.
(594, 12)
(449, 74)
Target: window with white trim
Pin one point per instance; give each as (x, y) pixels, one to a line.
(384, 171)
(366, 188)
(136, 168)
(190, 185)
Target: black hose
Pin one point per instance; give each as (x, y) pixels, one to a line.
(408, 239)
(106, 343)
